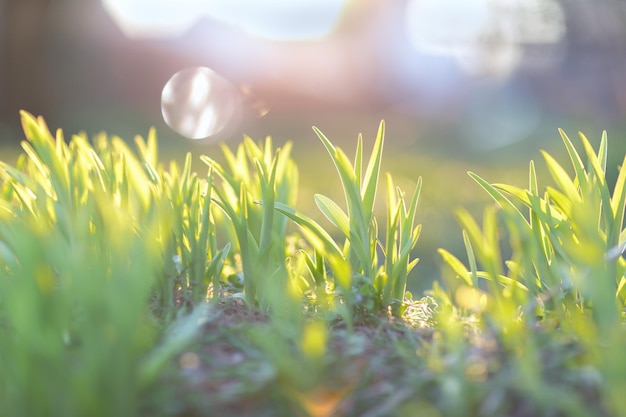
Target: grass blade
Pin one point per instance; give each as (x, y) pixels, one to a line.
(372, 173)
(334, 213)
(456, 265)
(325, 240)
(561, 178)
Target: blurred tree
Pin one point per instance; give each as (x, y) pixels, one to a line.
(23, 73)
(596, 56)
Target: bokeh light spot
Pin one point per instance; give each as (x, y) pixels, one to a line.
(198, 103)
(255, 106)
(153, 18)
(280, 19)
(270, 19)
(484, 36)
(189, 360)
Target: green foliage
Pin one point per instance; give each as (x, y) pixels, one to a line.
(119, 280)
(566, 266)
(188, 275)
(97, 246)
(382, 282)
(257, 178)
(82, 240)
(566, 252)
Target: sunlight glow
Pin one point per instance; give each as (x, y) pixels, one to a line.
(271, 19)
(483, 35)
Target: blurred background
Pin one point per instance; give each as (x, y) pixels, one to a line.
(478, 85)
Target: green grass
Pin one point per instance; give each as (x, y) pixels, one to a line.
(133, 288)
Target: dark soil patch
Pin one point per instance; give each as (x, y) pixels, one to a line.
(383, 367)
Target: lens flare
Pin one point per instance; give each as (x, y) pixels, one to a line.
(484, 36)
(270, 19)
(199, 103)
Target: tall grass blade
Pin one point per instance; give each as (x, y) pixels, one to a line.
(334, 213)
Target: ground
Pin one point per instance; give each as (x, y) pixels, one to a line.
(383, 367)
